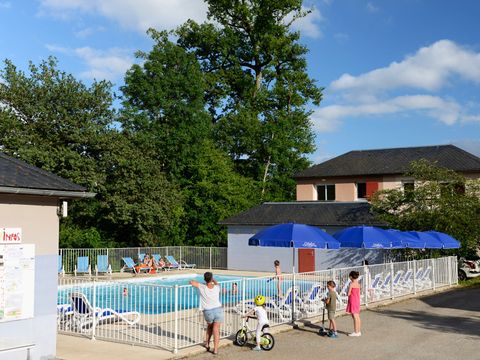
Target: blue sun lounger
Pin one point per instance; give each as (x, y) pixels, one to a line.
(179, 265)
(102, 265)
(130, 265)
(83, 266)
(61, 270)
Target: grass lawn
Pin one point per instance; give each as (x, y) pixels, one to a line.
(474, 282)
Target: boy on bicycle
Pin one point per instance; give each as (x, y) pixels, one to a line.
(261, 315)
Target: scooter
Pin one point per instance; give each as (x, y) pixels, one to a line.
(323, 331)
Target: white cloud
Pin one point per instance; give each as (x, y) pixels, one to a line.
(429, 69)
(57, 49)
(108, 64)
(131, 14)
(371, 7)
(447, 111)
(88, 31)
(309, 25)
(471, 118)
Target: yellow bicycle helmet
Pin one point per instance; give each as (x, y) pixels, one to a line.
(259, 300)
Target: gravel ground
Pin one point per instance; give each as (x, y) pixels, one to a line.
(442, 326)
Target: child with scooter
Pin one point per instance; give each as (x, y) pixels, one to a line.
(331, 306)
(262, 317)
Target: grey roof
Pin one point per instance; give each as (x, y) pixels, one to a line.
(392, 161)
(17, 176)
(307, 212)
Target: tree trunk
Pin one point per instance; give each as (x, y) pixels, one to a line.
(258, 82)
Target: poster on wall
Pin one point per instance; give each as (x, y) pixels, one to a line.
(10, 235)
(17, 281)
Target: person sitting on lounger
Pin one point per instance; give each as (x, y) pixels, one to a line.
(147, 263)
(161, 264)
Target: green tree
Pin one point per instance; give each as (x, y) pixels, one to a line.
(53, 121)
(441, 200)
(215, 192)
(164, 110)
(164, 105)
(257, 88)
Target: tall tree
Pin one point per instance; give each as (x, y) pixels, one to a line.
(55, 122)
(164, 105)
(257, 87)
(164, 110)
(441, 200)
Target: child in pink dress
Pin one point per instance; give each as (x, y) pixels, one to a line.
(353, 305)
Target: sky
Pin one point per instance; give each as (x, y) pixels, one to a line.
(396, 73)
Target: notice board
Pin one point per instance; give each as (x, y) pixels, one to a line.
(17, 281)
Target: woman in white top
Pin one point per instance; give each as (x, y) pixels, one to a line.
(212, 308)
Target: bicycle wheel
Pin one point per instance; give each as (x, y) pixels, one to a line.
(241, 337)
(268, 342)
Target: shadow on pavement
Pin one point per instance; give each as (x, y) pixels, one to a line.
(450, 324)
(461, 300)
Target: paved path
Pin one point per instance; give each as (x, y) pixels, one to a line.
(443, 326)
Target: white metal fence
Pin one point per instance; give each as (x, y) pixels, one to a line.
(147, 314)
(203, 257)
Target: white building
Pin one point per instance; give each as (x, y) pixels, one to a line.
(31, 203)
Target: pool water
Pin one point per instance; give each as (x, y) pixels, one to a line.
(157, 295)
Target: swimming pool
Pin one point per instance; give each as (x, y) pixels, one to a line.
(157, 295)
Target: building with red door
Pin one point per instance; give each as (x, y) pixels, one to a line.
(334, 195)
(356, 175)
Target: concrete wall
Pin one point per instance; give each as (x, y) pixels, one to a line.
(241, 256)
(306, 192)
(37, 216)
(345, 191)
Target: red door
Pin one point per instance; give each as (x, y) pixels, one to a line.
(372, 188)
(306, 260)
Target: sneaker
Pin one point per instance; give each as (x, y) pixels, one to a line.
(257, 348)
(355, 334)
(333, 335)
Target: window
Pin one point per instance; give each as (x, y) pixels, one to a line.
(326, 192)
(361, 190)
(408, 187)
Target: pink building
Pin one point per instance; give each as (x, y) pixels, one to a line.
(356, 175)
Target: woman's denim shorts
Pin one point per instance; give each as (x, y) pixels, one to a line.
(213, 315)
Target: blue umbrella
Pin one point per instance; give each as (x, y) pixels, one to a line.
(448, 241)
(429, 241)
(406, 240)
(367, 237)
(294, 236)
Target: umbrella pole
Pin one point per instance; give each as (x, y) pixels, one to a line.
(294, 297)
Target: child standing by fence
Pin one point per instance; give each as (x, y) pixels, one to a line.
(353, 305)
(331, 306)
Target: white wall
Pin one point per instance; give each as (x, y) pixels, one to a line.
(37, 216)
(241, 256)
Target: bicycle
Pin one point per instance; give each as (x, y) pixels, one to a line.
(245, 334)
